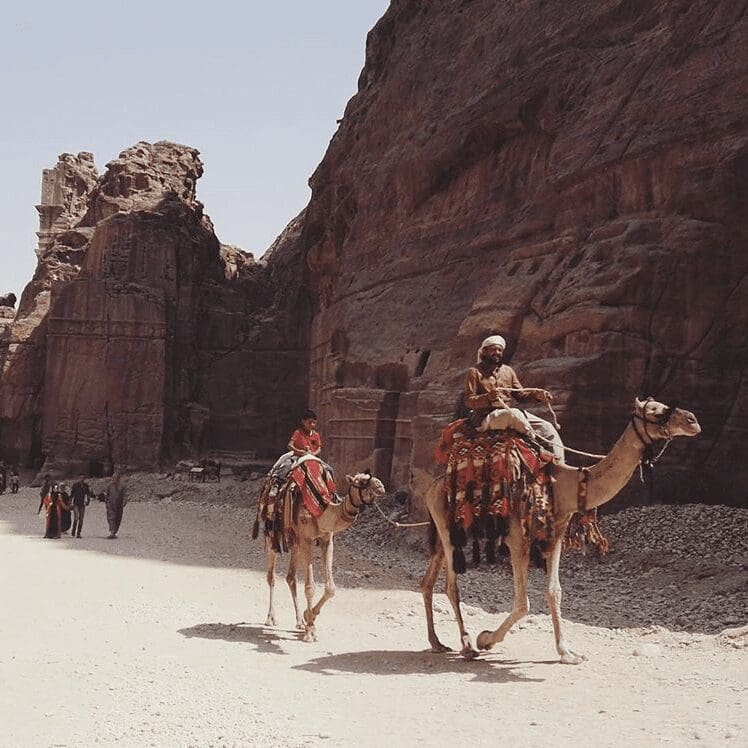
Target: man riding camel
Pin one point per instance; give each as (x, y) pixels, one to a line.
(490, 388)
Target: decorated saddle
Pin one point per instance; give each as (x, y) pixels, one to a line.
(309, 484)
(492, 475)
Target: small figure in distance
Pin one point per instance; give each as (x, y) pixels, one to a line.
(115, 503)
(80, 494)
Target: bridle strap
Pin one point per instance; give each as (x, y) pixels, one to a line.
(649, 459)
(584, 476)
(361, 502)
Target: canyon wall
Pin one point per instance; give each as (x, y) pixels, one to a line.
(142, 339)
(573, 176)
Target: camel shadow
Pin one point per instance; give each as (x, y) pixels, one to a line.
(402, 662)
(265, 638)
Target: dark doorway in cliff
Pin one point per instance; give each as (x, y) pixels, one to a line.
(95, 469)
(36, 457)
(423, 359)
(384, 438)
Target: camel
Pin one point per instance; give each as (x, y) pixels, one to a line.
(574, 490)
(363, 489)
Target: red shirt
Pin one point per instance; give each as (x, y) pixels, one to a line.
(301, 440)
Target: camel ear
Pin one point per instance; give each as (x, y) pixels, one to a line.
(367, 472)
(638, 404)
(349, 478)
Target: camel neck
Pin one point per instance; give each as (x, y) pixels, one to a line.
(614, 471)
(350, 507)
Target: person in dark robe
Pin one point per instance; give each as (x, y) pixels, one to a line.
(66, 506)
(44, 490)
(115, 503)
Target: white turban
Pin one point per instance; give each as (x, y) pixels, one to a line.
(491, 340)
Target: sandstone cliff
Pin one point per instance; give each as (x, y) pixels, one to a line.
(141, 337)
(572, 175)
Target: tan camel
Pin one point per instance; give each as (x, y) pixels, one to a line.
(651, 422)
(363, 489)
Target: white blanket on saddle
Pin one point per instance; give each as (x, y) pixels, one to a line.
(507, 418)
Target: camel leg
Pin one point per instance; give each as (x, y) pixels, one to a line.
(520, 563)
(291, 581)
(436, 503)
(427, 590)
(305, 555)
(468, 651)
(327, 554)
(270, 569)
(553, 596)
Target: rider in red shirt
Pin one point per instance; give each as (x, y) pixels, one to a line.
(306, 440)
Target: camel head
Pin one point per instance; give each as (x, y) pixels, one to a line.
(659, 421)
(369, 487)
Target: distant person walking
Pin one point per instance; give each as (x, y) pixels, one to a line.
(15, 481)
(44, 490)
(115, 503)
(80, 495)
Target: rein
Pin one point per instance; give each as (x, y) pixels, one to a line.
(399, 524)
(649, 458)
(556, 425)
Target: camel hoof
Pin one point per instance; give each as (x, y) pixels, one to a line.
(439, 648)
(469, 653)
(310, 635)
(270, 621)
(300, 625)
(484, 640)
(572, 658)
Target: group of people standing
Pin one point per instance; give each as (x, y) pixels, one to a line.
(65, 510)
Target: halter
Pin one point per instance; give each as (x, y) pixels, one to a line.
(361, 501)
(649, 459)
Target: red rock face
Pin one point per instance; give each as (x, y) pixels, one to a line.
(571, 175)
(150, 341)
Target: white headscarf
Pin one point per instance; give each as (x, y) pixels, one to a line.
(490, 340)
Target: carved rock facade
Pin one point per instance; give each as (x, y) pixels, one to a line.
(142, 338)
(573, 176)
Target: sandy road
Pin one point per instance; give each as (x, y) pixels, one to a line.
(156, 638)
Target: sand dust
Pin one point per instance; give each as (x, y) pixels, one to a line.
(157, 639)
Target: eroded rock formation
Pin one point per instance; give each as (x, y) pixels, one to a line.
(141, 337)
(573, 175)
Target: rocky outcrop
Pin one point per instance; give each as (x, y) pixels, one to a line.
(142, 338)
(572, 175)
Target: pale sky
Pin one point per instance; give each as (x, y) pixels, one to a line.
(256, 87)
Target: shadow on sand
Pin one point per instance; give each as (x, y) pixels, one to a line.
(263, 637)
(485, 669)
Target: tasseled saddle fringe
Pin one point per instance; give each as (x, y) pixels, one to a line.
(491, 528)
(584, 531)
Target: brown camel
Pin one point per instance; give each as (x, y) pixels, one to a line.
(651, 422)
(363, 489)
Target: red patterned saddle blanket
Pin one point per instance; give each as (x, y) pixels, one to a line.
(498, 473)
(493, 475)
(314, 484)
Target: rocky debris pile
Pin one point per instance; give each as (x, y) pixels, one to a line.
(682, 567)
